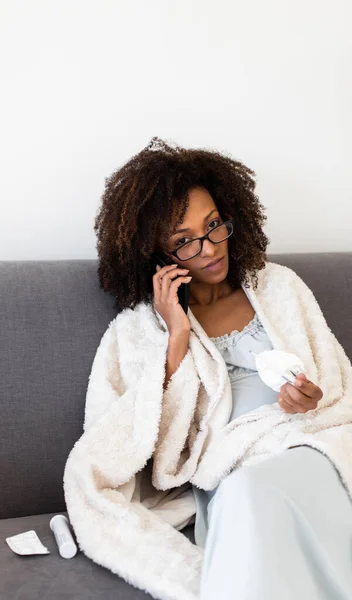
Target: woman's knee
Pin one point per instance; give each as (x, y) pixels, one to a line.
(278, 472)
(270, 472)
(246, 481)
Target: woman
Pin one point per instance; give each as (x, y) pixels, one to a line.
(278, 528)
(263, 506)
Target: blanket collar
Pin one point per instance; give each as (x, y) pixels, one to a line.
(276, 340)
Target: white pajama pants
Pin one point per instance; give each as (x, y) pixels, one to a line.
(280, 530)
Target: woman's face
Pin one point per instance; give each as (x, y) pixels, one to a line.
(201, 216)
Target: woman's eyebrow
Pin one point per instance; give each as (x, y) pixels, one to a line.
(188, 229)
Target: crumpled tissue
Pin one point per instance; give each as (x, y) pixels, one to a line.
(275, 365)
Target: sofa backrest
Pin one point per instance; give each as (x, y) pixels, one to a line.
(53, 316)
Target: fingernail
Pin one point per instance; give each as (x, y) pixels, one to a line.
(188, 279)
(298, 382)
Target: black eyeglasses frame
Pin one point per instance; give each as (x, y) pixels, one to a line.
(201, 239)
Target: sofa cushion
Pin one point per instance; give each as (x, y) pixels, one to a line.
(49, 576)
(52, 317)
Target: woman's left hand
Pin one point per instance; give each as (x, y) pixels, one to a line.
(300, 397)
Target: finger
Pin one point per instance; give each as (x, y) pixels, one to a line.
(160, 271)
(293, 407)
(286, 398)
(176, 273)
(300, 379)
(176, 284)
(290, 396)
(171, 274)
(296, 406)
(285, 407)
(308, 388)
(295, 395)
(157, 278)
(299, 401)
(156, 287)
(166, 281)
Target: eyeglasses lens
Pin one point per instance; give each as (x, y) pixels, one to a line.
(217, 235)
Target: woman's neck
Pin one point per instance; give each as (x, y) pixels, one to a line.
(202, 294)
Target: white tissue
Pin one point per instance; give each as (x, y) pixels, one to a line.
(272, 364)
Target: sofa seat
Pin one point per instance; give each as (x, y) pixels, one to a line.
(49, 576)
(53, 315)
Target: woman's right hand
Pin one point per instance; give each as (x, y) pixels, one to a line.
(166, 282)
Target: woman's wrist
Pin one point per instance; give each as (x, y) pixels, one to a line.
(180, 334)
(176, 351)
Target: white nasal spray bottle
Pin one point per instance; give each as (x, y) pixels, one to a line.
(59, 525)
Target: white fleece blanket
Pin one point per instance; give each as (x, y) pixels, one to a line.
(127, 480)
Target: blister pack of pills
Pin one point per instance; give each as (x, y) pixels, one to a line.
(27, 543)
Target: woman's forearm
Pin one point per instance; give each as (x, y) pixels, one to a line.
(176, 351)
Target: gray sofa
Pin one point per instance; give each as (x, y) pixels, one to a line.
(53, 315)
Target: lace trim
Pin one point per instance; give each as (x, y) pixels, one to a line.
(253, 323)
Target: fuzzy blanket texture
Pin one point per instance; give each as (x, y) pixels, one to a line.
(127, 480)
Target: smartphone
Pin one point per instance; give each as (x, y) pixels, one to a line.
(162, 260)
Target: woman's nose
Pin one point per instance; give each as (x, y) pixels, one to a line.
(209, 249)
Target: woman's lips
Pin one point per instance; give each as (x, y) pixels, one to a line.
(218, 265)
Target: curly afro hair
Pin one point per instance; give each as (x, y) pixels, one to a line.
(143, 197)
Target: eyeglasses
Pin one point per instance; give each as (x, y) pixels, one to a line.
(218, 234)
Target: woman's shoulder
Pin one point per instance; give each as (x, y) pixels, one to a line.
(140, 318)
(273, 268)
(274, 276)
(272, 271)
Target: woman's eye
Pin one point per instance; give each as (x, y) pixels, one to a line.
(184, 239)
(181, 241)
(215, 221)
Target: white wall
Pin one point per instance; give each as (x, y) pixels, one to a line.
(86, 84)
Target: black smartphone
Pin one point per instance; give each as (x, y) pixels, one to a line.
(162, 260)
